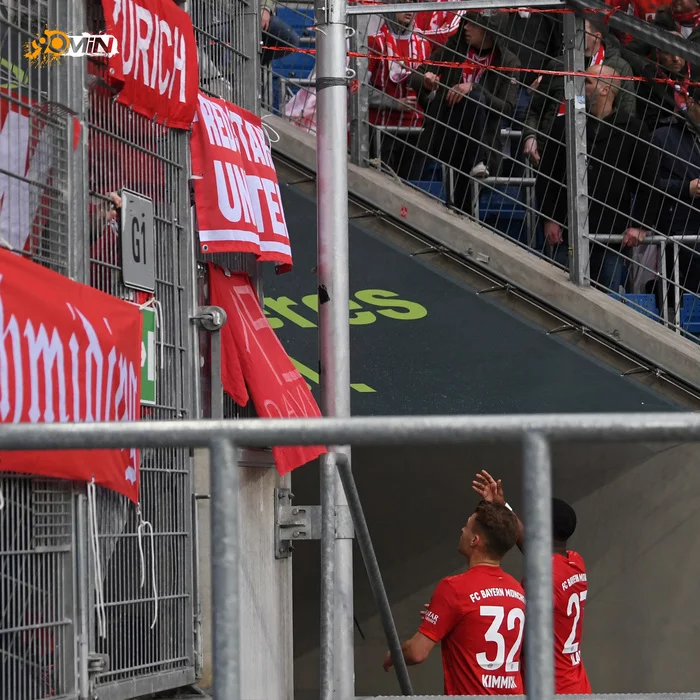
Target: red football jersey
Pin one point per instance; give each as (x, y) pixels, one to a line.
(570, 591)
(391, 77)
(644, 9)
(479, 617)
(440, 25)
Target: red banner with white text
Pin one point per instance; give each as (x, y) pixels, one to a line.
(236, 194)
(68, 353)
(253, 357)
(157, 67)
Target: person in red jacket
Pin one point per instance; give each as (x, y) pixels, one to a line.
(395, 51)
(477, 616)
(570, 589)
(440, 25)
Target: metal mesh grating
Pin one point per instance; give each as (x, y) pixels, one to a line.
(36, 144)
(36, 595)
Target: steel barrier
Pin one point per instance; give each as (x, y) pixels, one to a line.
(622, 173)
(52, 641)
(536, 432)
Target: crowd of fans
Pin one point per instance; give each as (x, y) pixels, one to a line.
(491, 114)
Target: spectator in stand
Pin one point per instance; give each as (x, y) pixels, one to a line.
(622, 169)
(535, 38)
(643, 9)
(392, 103)
(465, 104)
(275, 32)
(440, 25)
(465, 627)
(570, 589)
(218, 22)
(548, 102)
(658, 102)
(679, 179)
(681, 16)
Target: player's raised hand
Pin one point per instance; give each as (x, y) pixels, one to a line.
(488, 488)
(422, 613)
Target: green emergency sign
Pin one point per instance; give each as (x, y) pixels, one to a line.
(148, 358)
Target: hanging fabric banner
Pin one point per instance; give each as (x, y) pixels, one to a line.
(68, 353)
(156, 66)
(236, 194)
(253, 357)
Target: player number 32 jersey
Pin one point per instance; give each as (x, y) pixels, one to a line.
(479, 617)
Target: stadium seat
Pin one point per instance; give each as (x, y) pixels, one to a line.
(434, 187)
(644, 303)
(690, 314)
(299, 19)
(498, 210)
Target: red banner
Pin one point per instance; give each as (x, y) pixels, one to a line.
(236, 195)
(157, 64)
(252, 355)
(68, 353)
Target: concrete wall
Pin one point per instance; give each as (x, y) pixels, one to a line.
(266, 582)
(639, 512)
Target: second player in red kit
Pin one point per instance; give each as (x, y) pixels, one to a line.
(570, 589)
(477, 616)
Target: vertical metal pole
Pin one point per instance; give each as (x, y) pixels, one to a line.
(217, 387)
(337, 628)
(539, 637)
(83, 571)
(252, 87)
(663, 251)
(224, 570)
(359, 99)
(69, 89)
(677, 294)
(577, 177)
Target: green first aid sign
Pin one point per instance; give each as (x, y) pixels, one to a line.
(148, 358)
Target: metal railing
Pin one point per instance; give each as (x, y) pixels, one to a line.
(405, 126)
(536, 432)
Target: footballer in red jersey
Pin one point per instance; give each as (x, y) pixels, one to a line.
(477, 616)
(570, 589)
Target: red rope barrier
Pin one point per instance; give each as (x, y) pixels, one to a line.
(502, 69)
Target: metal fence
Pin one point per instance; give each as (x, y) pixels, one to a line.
(486, 133)
(536, 434)
(84, 148)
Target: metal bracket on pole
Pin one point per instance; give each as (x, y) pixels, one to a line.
(211, 318)
(293, 523)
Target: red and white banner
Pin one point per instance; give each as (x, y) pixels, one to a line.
(27, 153)
(236, 194)
(68, 353)
(157, 63)
(253, 356)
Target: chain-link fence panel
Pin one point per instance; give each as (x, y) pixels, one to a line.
(470, 108)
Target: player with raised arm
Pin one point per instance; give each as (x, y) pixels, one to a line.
(478, 616)
(570, 588)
